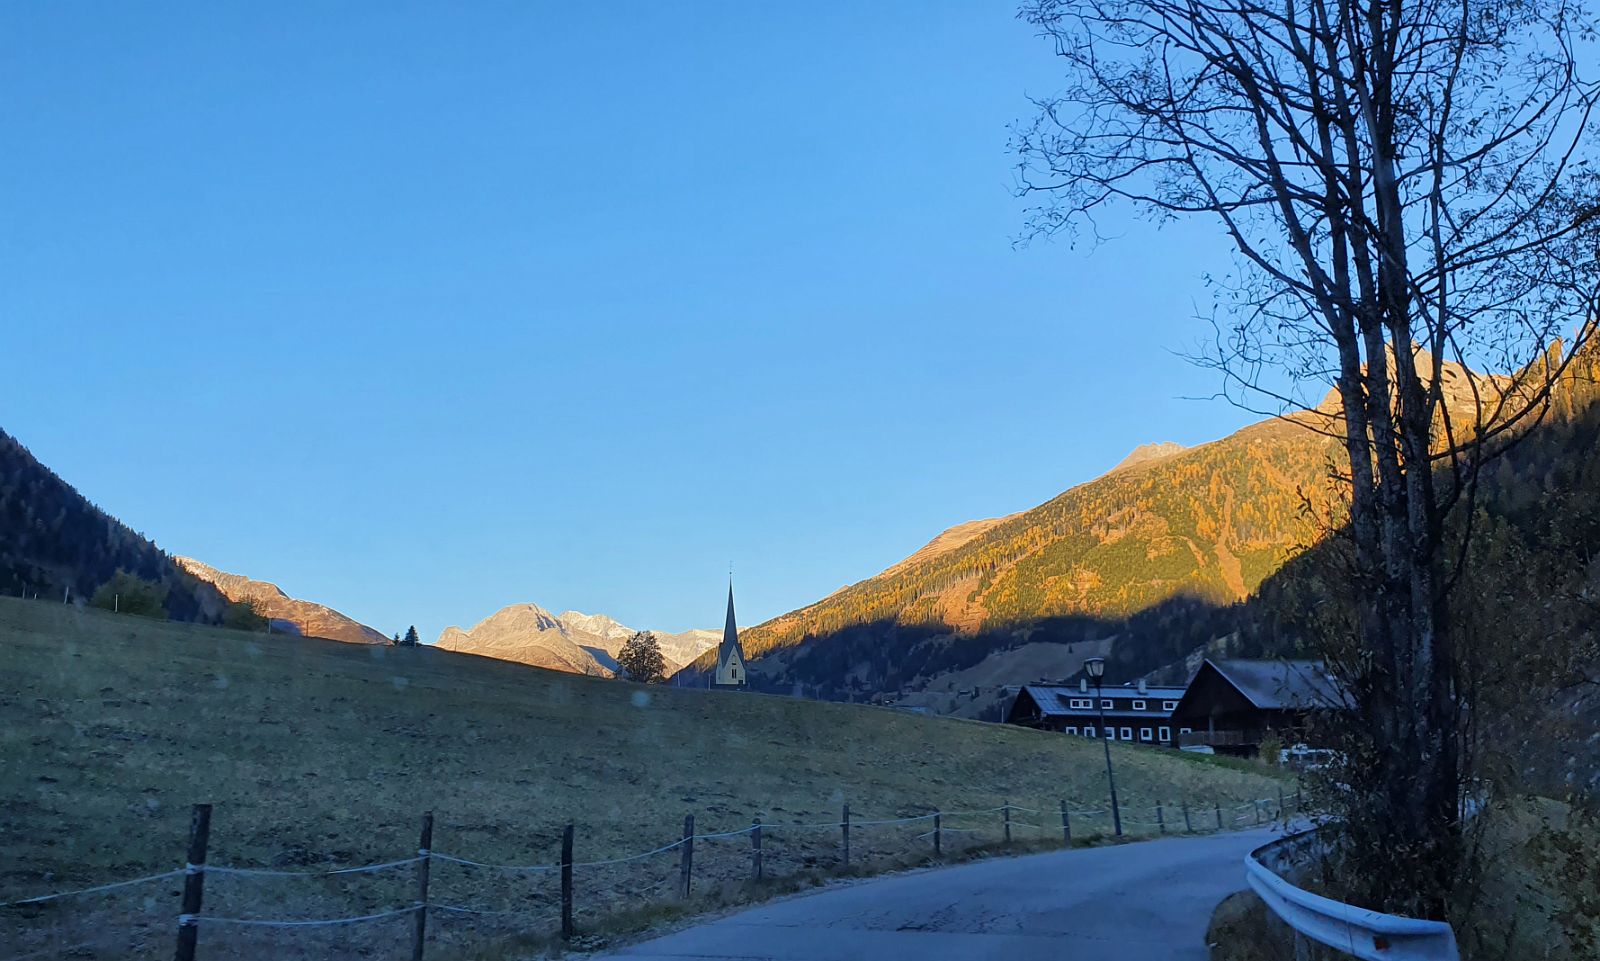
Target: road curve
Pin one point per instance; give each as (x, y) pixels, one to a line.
(1148, 901)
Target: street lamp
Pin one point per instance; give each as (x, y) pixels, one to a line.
(1096, 669)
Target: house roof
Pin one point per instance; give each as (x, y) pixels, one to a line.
(1283, 684)
(1051, 697)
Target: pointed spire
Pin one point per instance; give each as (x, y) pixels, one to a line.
(730, 655)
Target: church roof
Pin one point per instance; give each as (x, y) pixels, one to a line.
(730, 634)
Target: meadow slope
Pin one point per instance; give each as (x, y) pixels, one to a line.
(319, 754)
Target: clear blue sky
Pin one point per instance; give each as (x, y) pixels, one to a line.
(424, 309)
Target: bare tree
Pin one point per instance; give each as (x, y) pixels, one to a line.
(1411, 191)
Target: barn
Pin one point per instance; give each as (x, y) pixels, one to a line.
(1232, 705)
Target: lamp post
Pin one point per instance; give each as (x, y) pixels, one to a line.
(1096, 668)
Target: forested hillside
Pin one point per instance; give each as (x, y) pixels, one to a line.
(1164, 544)
(1159, 559)
(52, 540)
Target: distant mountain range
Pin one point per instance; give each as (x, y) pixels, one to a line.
(285, 612)
(571, 641)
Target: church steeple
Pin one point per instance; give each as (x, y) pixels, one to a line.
(730, 655)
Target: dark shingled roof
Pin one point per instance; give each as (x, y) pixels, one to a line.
(1281, 684)
(1052, 698)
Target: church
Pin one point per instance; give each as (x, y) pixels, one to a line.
(731, 674)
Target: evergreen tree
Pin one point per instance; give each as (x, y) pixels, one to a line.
(411, 639)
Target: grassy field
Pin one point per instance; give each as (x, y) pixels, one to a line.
(320, 755)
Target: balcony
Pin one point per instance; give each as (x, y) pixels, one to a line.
(1219, 739)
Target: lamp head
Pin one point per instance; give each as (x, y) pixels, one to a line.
(1096, 667)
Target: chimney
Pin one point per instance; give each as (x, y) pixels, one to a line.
(1143, 687)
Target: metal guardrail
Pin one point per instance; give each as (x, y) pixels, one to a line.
(1371, 935)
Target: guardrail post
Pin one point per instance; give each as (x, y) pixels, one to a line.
(844, 828)
(1066, 823)
(755, 850)
(1007, 815)
(1161, 818)
(419, 928)
(1281, 814)
(686, 862)
(566, 883)
(1188, 828)
(1219, 813)
(194, 882)
(1256, 807)
(1299, 804)
(937, 834)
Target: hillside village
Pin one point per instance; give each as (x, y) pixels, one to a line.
(1160, 445)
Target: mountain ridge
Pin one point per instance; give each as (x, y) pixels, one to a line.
(571, 641)
(308, 618)
(1169, 533)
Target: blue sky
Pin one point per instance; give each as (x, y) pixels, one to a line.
(424, 309)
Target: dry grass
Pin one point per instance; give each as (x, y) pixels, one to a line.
(319, 754)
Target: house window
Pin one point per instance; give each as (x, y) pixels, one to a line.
(1082, 702)
(1088, 731)
(1127, 734)
(1185, 730)
(1169, 705)
(1138, 705)
(1166, 734)
(1072, 730)
(1144, 734)
(1105, 703)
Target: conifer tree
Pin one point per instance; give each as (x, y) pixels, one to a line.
(641, 659)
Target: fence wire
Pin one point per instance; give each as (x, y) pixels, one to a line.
(717, 864)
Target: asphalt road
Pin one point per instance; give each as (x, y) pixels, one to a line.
(1149, 901)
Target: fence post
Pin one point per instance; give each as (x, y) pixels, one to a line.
(1161, 818)
(1299, 803)
(194, 882)
(844, 826)
(937, 832)
(755, 850)
(566, 883)
(1188, 827)
(1219, 813)
(686, 864)
(1066, 823)
(1256, 806)
(419, 930)
(1007, 815)
(1281, 815)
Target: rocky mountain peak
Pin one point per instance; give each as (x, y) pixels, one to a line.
(270, 600)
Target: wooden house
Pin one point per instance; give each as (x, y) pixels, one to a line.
(1231, 705)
